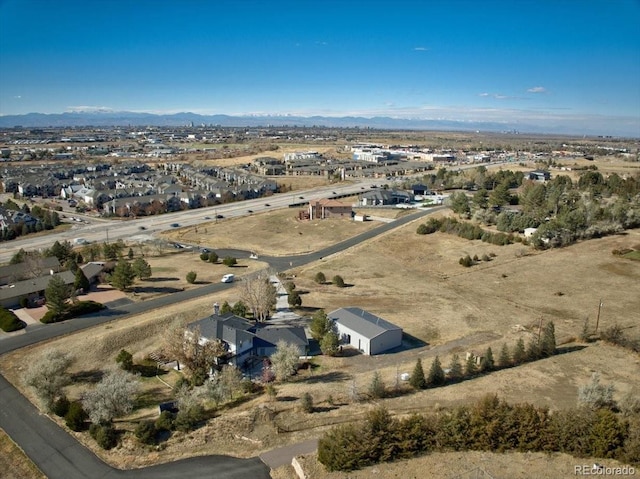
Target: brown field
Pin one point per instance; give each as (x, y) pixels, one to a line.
(273, 233)
(169, 273)
(416, 282)
(457, 465)
(14, 463)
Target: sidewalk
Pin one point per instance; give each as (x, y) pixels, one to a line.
(284, 455)
(283, 312)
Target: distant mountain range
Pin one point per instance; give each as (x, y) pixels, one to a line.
(107, 118)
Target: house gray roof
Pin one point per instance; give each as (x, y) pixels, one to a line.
(92, 269)
(20, 271)
(361, 321)
(226, 327)
(24, 288)
(291, 335)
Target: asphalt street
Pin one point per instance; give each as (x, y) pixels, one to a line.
(60, 456)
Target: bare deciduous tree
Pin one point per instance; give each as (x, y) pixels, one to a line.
(259, 295)
(190, 349)
(114, 396)
(47, 375)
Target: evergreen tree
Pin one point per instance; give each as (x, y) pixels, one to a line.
(81, 281)
(548, 342)
(141, 268)
(519, 353)
(377, 388)
(504, 361)
(57, 294)
(330, 344)
(240, 309)
(533, 352)
(123, 275)
(320, 325)
(417, 379)
(455, 368)
(470, 368)
(488, 363)
(225, 308)
(436, 373)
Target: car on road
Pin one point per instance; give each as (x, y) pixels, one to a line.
(267, 204)
(249, 211)
(301, 197)
(228, 278)
(219, 217)
(142, 228)
(207, 217)
(205, 250)
(174, 225)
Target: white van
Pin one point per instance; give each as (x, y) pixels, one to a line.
(228, 278)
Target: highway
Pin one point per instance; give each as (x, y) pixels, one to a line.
(112, 230)
(121, 229)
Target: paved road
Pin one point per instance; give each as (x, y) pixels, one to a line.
(60, 456)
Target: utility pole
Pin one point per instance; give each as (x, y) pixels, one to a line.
(598, 318)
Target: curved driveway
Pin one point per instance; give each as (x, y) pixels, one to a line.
(60, 456)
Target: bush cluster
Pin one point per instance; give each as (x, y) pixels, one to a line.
(77, 309)
(105, 435)
(464, 229)
(9, 321)
(488, 425)
(615, 335)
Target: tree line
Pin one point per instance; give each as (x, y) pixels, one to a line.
(490, 424)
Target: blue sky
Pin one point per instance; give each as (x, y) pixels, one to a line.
(538, 62)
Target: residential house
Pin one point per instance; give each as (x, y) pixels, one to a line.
(32, 289)
(18, 272)
(365, 331)
(328, 208)
(382, 197)
(243, 339)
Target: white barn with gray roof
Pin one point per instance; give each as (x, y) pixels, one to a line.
(365, 331)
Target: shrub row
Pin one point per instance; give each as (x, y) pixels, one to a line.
(9, 321)
(464, 229)
(488, 425)
(76, 309)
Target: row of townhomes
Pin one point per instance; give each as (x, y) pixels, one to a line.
(136, 189)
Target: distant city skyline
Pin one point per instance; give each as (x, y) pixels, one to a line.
(569, 65)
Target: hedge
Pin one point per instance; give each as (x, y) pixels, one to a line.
(77, 309)
(9, 321)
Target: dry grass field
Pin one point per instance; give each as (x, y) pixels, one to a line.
(14, 463)
(272, 233)
(416, 282)
(169, 273)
